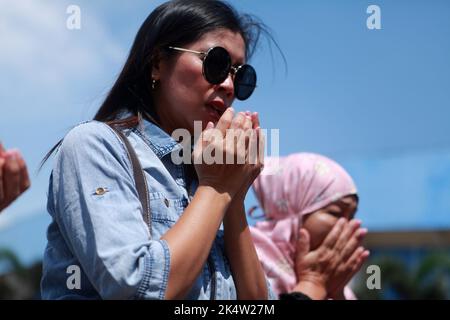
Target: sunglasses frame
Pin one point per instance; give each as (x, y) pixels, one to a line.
(233, 70)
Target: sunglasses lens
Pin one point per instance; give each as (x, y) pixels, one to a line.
(244, 82)
(216, 65)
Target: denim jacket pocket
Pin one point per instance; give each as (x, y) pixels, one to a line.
(165, 210)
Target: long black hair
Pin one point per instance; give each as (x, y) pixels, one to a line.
(174, 23)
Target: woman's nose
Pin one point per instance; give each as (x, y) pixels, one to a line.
(227, 86)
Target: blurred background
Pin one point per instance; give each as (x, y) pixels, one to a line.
(375, 100)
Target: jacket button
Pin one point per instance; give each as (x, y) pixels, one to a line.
(166, 202)
(100, 191)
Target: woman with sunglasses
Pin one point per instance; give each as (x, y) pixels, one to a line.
(187, 64)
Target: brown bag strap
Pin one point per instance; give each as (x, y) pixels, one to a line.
(139, 178)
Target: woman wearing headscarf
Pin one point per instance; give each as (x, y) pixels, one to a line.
(309, 244)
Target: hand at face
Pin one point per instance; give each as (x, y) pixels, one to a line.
(335, 261)
(255, 151)
(353, 255)
(227, 156)
(249, 125)
(14, 178)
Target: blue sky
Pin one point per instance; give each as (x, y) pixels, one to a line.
(378, 101)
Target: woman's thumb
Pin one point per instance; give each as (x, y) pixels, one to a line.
(303, 245)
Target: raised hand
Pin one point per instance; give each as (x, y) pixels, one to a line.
(14, 178)
(325, 271)
(228, 156)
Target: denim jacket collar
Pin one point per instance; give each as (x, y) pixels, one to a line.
(158, 140)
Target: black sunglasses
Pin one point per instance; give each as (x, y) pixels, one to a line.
(217, 66)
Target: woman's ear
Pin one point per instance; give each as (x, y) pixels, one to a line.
(156, 65)
(155, 72)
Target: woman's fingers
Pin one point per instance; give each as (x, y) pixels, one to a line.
(353, 262)
(241, 150)
(241, 141)
(248, 124)
(255, 120)
(301, 264)
(11, 179)
(225, 120)
(202, 143)
(261, 146)
(252, 156)
(14, 179)
(24, 177)
(362, 259)
(356, 261)
(353, 243)
(303, 244)
(238, 121)
(331, 238)
(247, 129)
(346, 234)
(254, 117)
(329, 248)
(345, 271)
(235, 141)
(2, 190)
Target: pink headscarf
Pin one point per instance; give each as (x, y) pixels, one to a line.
(288, 188)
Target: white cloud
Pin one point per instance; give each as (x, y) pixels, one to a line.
(37, 47)
(47, 73)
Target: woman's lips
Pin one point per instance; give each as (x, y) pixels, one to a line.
(216, 109)
(213, 113)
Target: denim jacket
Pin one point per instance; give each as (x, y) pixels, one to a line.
(99, 246)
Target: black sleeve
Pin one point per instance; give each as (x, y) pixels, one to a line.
(294, 296)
